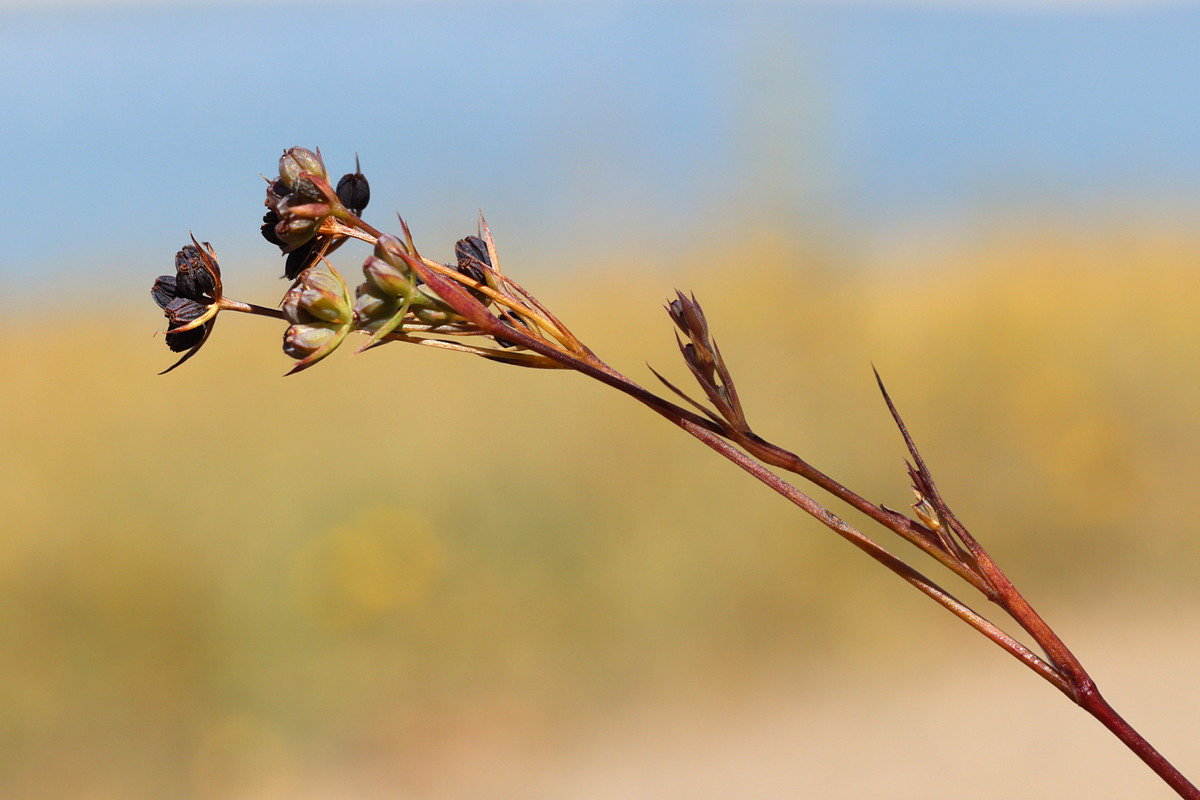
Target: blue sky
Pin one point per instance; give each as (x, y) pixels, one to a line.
(124, 127)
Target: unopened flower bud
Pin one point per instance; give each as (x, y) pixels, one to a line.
(389, 248)
(387, 278)
(294, 231)
(303, 341)
(317, 296)
(434, 313)
(372, 306)
(293, 163)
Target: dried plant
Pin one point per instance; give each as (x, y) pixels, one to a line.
(472, 306)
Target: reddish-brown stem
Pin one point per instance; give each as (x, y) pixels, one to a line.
(784, 459)
(864, 543)
(1098, 707)
(712, 434)
(973, 564)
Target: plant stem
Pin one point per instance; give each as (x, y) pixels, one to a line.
(1098, 707)
(876, 551)
(730, 436)
(250, 308)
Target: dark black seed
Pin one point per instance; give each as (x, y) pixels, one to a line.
(163, 290)
(473, 261)
(354, 191)
(472, 248)
(186, 255)
(182, 310)
(186, 340)
(192, 276)
(185, 286)
(301, 259)
(270, 220)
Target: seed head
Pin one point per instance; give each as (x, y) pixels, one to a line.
(321, 314)
(190, 299)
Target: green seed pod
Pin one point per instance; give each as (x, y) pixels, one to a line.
(294, 231)
(303, 341)
(317, 296)
(373, 307)
(387, 278)
(293, 163)
(389, 248)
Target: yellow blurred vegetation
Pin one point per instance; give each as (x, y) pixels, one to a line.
(213, 578)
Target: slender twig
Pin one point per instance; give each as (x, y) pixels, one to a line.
(409, 298)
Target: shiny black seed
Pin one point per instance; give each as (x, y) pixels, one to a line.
(270, 220)
(192, 276)
(472, 248)
(354, 191)
(186, 340)
(301, 259)
(163, 290)
(473, 260)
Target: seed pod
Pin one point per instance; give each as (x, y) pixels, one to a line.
(317, 296)
(373, 307)
(354, 191)
(193, 277)
(390, 249)
(293, 163)
(179, 312)
(270, 220)
(303, 341)
(387, 278)
(472, 249)
(301, 258)
(296, 231)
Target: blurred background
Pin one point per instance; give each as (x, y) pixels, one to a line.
(411, 574)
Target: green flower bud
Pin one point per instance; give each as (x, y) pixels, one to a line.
(310, 339)
(372, 307)
(293, 163)
(431, 315)
(387, 278)
(389, 248)
(294, 231)
(317, 296)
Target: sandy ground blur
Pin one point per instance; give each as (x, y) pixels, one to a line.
(972, 724)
